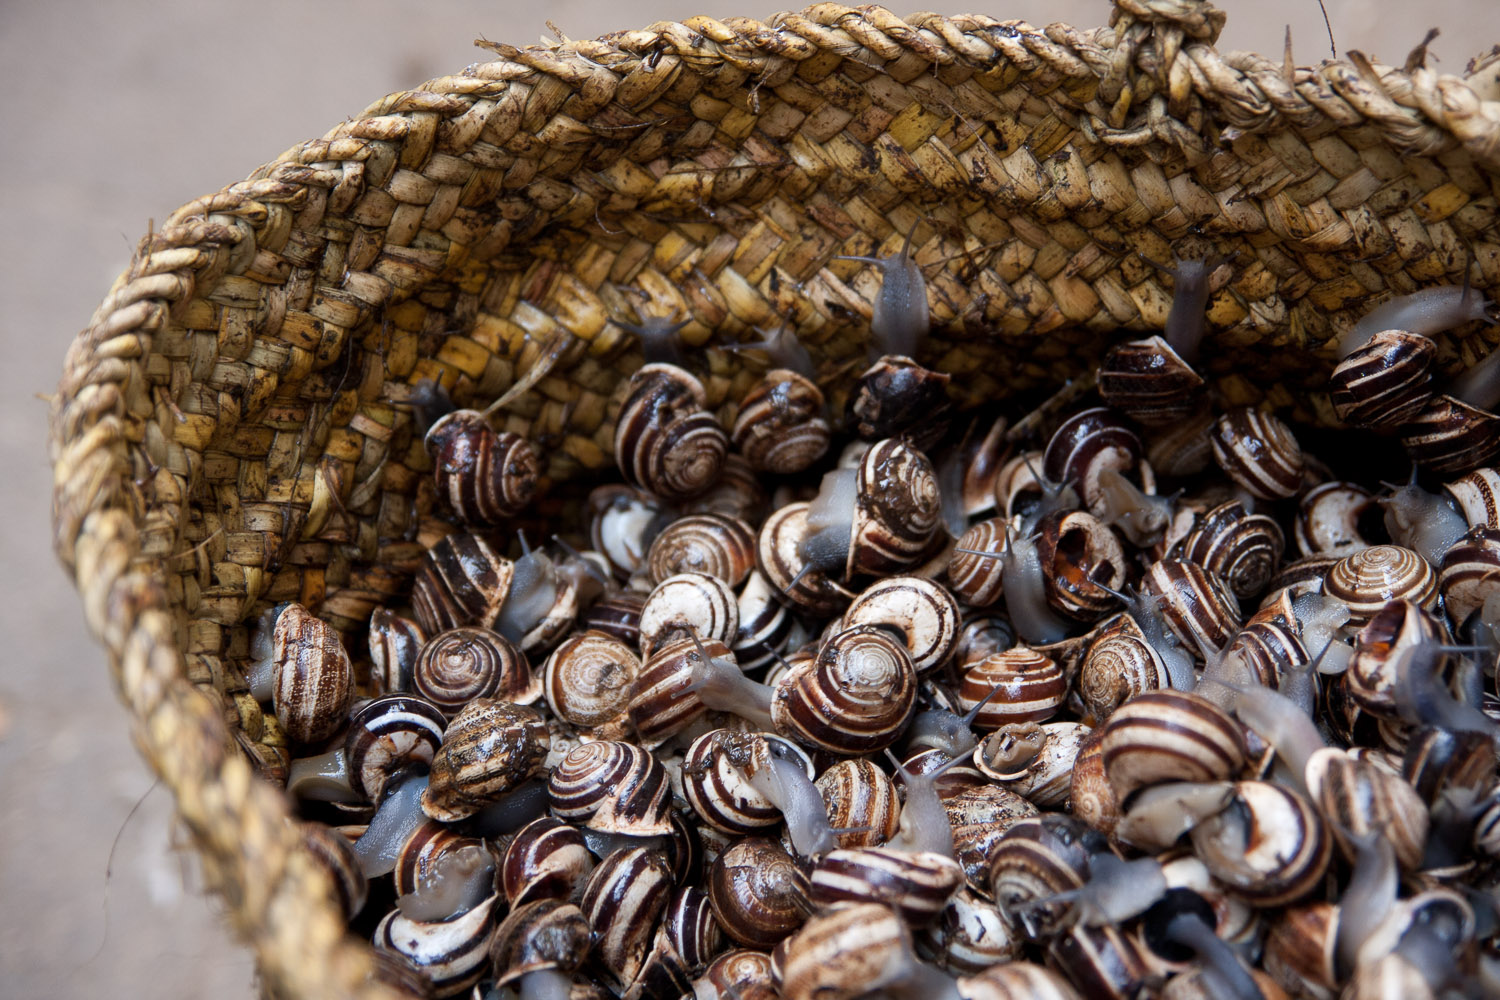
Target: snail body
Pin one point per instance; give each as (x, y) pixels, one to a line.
(1424, 312)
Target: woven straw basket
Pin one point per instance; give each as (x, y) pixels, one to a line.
(230, 429)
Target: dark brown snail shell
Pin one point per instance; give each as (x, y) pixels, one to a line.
(617, 614)
(917, 884)
(489, 748)
(1081, 562)
(780, 428)
(661, 704)
(1084, 446)
(896, 397)
(313, 680)
(1120, 663)
(335, 853)
(462, 581)
(757, 892)
(462, 664)
(1197, 606)
(1259, 452)
(546, 859)
(665, 441)
(1450, 437)
(394, 643)
(386, 735)
(1384, 383)
(738, 493)
(1038, 858)
(979, 580)
(623, 900)
(541, 934)
(897, 510)
(1148, 381)
(855, 697)
(1242, 549)
(484, 476)
(854, 950)
(715, 780)
(613, 787)
(719, 546)
(979, 815)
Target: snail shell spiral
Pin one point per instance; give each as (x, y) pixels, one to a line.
(780, 427)
(1032, 687)
(462, 581)
(1242, 549)
(923, 613)
(462, 664)
(1168, 735)
(1369, 578)
(897, 510)
(665, 441)
(855, 697)
(484, 476)
(489, 748)
(1259, 452)
(1120, 664)
(547, 859)
(387, 734)
(1385, 383)
(589, 678)
(722, 547)
(1149, 381)
(613, 787)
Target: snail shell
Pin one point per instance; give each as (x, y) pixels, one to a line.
(462, 664)
(1182, 449)
(1301, 576)
(1079, 557)
(918, 884)
(612, 787)
(489, 748)
(1149, 382)
(924, 614)
(1269, 846)
(1120, 663)
(546, 859)
(855, 697)
(334, 852)
(858, 794)
(689, 603)
(1014, 980)
(1477, 494)
(979, 815)
(617, 614)
(661, 704)
(1369, 578)
(453, 954)
(1170, 735)
(417, 860)
(313, 683)
(462, 581)
(1470, 573)
(1084, 446)
(1384, 383)
(692, 928)
(665, 441)
(394, 643)
(1300, 949)
(740, 974)
(779, 555)
(979, 580)
(1258, 452)
(1379, 648)
(715, 779)
(386, 735)
(1196, 605)
(624, 899)
(1032, 687)
(589, 679)
(1358, 797)
(622, 523)
(982, 635)
(1092, 797)
(737, 494)
(970, 935)
(854, 950)
(1270, 649)
(1242, 549)
(1035, 761)
(722, 547)
(780, 428)
(897, 510)
(1450, 437)
(757, 892)
(484, 476)
(1439, 759)
(1328, 519)
(541, 934)
(1037, 858)
(1103, 961)
(765, 624)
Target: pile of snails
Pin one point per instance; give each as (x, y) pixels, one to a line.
(1153, 705)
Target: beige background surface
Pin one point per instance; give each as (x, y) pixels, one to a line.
(116, 112)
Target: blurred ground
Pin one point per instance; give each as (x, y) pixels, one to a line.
(117, 111)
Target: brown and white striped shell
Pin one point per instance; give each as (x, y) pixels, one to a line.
(1032, 760)
(1168, 735)
(386, 735)
(1182, 449)
(1259, 452)
(462, 581)
(1081, 561)
(738, 974)
(897, 510)
(1358, 797)
(461, 664)
(1197, 606)
(334, 852)
(918, 884)
(1270, 647)
(312, 679)
(860, 799)
(418, 860)
(489, 748)
(1105, 962)
(716, 782)
(1037, 858)
(394, 642)
(1470, 573)
(613, 787)
(778, 553)
(1328, 519)
(1385, 383)
(757, 892)
(979, 580)
(452, 954)
(1450, 437)
(689, 604)
(1015, 981)
(780, 428)
(855, 950)
(855, 697)
(484, 476)
(1092, 798)
(1242, 549)
(766, 626)
(544, 934)
(665, 441)
(1086, 444)
(1149, 382)
(617, 614)
(722, 547)
(1369, 578)
(921, 611)
(661, 703)
(1477, 494)
(970, 935)
(546, 859)
(739, 493)
(1379, 649)
(622, 902)
(1120, 663)
(1032, 686)
(589, 679)
(1269, 846)
(979, 815)
(622, 522)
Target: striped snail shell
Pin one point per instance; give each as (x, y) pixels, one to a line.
(850, 951)
(1258, 452)
(1380, 648)
(417, 862)
(1182, 449)
(979, 815)
(1090, 794)
(462, 581)
(970, 935)
(738, 493)
(334, 853)
(855, 697)
(689, 604)
(453, 954)
(1197, 606)
(1084, 446)
(1242, 549)
(1300, 949)
(917, 884)
(613, 787)
(589, 678)
(1477, 494)
(897, 397)
(975, 579)
(618, 614)
(1034, 761)
(1037, 858)
(489, 748)
(692, 929)
(858, 795)
(313, 680)
(722, 547)
(897, 510)
(394, 642)
(462, 664)
(1081, 561)
(1439, 759)
(1149, 382)
(921, 611)
(716, 783)
(1170, 735)
(757, 892)
(546, 859)
(765, 624)
(1015, 980)
(1450, 437)
(1384, 383)
(1358, 797)
(622, 522)
(1106, 962)
(662, 703)
(780, 428)
(1032, 687)
(394, 971)
(952, 777)
(484, 476)
(1369, 578)
(1269, 846)
(739, 974)
(386, 735)
(982, 635)
(624, 898)
(1328, 519)
(778, 553)
(1270, 649)
(540, 935)
(665, 441)
(1120, 663)
(1299, 577)
(1470, 573)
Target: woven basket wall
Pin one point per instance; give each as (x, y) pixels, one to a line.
(230, 429)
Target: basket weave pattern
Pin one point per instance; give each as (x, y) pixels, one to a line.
(230, 429)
